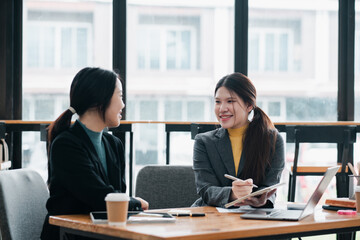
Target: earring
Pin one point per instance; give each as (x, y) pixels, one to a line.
(251, 115)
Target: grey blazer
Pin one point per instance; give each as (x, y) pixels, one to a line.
(213, 158)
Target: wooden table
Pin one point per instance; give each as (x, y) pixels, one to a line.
(214, 225)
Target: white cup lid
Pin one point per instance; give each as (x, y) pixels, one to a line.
(117, 197)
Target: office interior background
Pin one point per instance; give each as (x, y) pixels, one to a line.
(176, 51)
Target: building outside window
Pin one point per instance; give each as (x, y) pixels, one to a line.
(59, 38)
(176, 52)
(166, 43)
(271, 51)
(293, 63)
(58, 46)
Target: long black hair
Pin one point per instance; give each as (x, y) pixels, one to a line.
(90, 88)
(259, 140)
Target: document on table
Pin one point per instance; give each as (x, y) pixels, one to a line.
(242, 209)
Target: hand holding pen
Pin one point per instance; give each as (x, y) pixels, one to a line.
(235, 179)
(240, 187)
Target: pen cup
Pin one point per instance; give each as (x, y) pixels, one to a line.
(117, 208)
(354, 180)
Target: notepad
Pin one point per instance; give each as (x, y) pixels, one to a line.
(264, 190)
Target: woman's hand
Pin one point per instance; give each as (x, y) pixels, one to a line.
(144, 204)
(241, 188)
(258, 201)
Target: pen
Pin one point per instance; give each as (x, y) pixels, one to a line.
(188, 214)
(235, 178)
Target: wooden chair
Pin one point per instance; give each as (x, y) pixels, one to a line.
(344, 136)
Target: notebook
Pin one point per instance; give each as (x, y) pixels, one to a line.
(295, 215)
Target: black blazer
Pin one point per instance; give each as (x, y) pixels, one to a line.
(77, 180)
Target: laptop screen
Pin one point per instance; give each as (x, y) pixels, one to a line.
(319, 191)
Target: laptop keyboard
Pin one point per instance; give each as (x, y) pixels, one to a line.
(275, 213)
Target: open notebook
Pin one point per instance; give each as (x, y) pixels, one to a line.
(295, 215)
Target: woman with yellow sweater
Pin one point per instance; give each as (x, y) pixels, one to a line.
(247, 146)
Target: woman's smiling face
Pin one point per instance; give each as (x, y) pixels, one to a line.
(113, 112)
(230, 109)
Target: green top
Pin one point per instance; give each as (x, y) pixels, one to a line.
(96, 139)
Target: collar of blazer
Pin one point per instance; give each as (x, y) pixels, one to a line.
(223, 146)
(221, 133)
(79, 131)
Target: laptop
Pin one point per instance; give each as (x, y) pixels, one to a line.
(295, 215)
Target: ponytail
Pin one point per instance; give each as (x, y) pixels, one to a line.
(259, 145)
(61, 124)
(261, 118)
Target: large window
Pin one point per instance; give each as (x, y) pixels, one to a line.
(357, 60)
(357, 78)
(60, 38)
(176, 52)
(293, 57)
(293, 63)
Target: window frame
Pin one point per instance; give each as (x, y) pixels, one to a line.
(11, 58)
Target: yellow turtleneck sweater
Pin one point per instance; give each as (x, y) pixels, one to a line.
(236, 139)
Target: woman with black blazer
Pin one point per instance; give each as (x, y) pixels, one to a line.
(246, 146)
(85, 162)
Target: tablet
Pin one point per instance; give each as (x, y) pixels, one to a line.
(98, 217)
(135, 217)
(151, 217)
(264, 190)
(101, 216)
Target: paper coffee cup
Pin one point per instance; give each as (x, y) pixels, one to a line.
(117, 208)
(357, 197)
